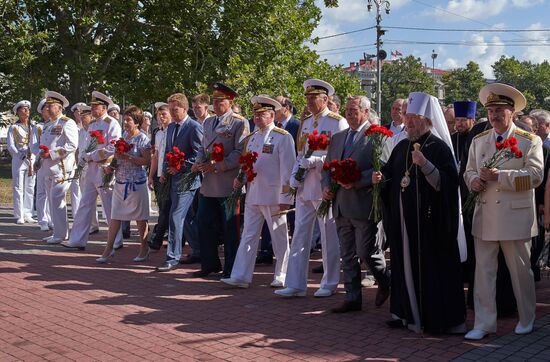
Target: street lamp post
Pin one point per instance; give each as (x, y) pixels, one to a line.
(379, 32)
(434, 56)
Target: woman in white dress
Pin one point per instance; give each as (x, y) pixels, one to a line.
(130, 194)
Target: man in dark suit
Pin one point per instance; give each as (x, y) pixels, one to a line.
(351, 207)
(186, 134)
(284, 119)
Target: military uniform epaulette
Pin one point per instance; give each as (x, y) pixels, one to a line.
(523, 133)
(238, 116)
(482, 133)
(108, 119)
(335, 116)
(65, 118)
(280, 130)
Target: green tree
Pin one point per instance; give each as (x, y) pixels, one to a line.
(463, 84)
(141, 51)
(533, 80)
(401, 77)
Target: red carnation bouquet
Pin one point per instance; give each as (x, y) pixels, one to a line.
(44, 149)
(506, 151)
(217, 155)
(96, 138)
(121, 146)
(341, 172)
(315, 142)
(378, 135)
(174, 159)
(246, 174)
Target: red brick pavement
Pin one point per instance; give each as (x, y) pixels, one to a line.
(61, 305)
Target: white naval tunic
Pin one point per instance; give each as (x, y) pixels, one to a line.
(20, 141)
(308, 199)
(275, 148)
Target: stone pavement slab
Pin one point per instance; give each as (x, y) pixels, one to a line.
(60, 305)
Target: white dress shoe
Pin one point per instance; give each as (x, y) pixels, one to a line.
(53, 241)
(323, 293)
(234, 282)
(276, 284)
(476, 334)
(47, 238)
(30, 220)
(525, 330)
(290, 292)
(20, 221)
(44, 227)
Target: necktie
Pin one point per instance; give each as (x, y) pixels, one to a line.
(499, 139)
(176, 129)
(215, 124)
(349, 142)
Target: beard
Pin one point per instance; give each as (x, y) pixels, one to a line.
(416, 134)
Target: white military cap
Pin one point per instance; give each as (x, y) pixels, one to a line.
(41, 105)
(147, 114)
(502, 94)
(54, 97)
(317, 86)
(84, 109)
(21, 104)
(263, 103)
(77, 106)
(100, 98)
(159, 104)
(115, 107)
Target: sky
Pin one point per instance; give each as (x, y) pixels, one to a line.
(464, 17)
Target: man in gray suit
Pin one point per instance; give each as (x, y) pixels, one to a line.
(229, 129)
(351, 208)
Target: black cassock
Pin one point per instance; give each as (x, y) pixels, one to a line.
(435, 263)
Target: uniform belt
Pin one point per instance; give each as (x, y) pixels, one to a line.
(130, 184)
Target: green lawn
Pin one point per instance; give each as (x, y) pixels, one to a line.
(5, 182)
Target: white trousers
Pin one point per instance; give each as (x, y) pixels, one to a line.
(23, 189)
(254, 217)
(75, 196)
(298, 262)
(95, 221)
(87, 207)
(517, 255)
(58, 207)
(42, 199)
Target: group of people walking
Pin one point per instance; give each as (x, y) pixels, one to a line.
(200, 167)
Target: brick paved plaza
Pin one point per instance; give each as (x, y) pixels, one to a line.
(61, 305)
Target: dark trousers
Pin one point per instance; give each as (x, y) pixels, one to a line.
(212, 222)
(358, 243)
(164, 216)
(536, 249)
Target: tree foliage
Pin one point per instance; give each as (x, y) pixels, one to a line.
(141, 51)
(533, 80)
(401, 77)
(464, 84)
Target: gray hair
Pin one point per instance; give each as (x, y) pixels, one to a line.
(364, 102)
(373, 117)
(541, 115)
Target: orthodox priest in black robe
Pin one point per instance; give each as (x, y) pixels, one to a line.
(420, 193)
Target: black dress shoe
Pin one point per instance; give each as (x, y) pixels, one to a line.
(264, 259)
(395, 323)
(126, 235)
(347, 307)
(318, 269)
(118, 247)
(93, 232)
(79, 248)
(204, 273)
(166, 267)
(381, 296)
(190, 259)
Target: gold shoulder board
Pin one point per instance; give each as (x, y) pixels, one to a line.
(280, 130)
(524, 134)
(335, 116)
(482, 133)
